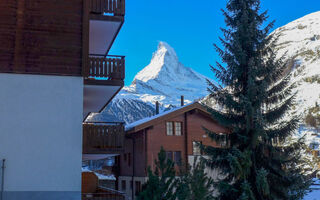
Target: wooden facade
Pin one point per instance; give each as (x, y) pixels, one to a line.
(51, 37)
(103, 138)
(41, 37)
(143, 142)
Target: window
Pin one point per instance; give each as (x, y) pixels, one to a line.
(138, 187)
(169, 155)
(174, 128)
(178, 128)
(131, 184)
(123, 185)
(196, 148)
(169, 128)
(177, 157)
(223, 143)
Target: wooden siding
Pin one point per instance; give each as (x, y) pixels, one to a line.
(41, 36)
(148, 141)
(103, 138)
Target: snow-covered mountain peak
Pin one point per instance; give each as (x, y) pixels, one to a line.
(164, 61)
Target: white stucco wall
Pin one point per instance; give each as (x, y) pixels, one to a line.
(41, 132)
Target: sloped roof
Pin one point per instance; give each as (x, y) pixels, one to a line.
(150, 121)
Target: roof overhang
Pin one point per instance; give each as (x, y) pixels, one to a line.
(163, 116)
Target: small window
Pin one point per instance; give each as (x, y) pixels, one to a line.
(177, 157)
(169, 155)
(196, 148)
(223, 143)
(169, 128)
(178, 128)
(123, 185)
(138, 187)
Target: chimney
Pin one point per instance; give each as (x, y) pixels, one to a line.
(182, 100)
(157, 107)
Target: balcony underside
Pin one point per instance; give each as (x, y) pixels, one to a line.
(103, 31)
(98, 94)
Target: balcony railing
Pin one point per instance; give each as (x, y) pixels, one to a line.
(102, 196)
(115, 7)
(106, 68)
(103, 137)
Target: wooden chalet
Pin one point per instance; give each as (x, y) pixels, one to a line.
(177, 131)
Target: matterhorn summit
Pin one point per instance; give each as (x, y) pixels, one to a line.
(164, 62)
(168, 79)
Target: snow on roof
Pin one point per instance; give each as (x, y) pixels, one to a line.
(85, 169)
(110, 177)
(147, 119)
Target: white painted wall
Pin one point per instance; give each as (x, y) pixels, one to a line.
(41, 132)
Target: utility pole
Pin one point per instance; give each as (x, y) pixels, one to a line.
(2, 178)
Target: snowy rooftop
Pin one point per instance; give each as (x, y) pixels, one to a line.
(145, 120)
(110, 177)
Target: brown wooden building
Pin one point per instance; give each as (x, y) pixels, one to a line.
(177, 131)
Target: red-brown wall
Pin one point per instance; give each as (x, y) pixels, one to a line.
(156, 137)
(138, 156)
(41, 36)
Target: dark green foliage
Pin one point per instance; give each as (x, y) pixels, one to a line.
(256, 98)
(194, 184)
(160, 183)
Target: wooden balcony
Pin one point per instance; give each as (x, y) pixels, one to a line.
(105, 70)
(104, 194)
(103, 138)
(107, 7)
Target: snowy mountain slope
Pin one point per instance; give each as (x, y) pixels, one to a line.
(164, 80)
(299, 41)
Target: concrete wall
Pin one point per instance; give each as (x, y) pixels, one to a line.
(41, 136)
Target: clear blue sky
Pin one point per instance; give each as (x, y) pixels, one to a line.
(189, 26)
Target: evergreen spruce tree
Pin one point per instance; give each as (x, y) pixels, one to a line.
(255, 102)
(194, 184)
(160, 183)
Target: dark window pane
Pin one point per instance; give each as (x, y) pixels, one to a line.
(177, 157)
(169, 155)
(123, 185)
(138, 187)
